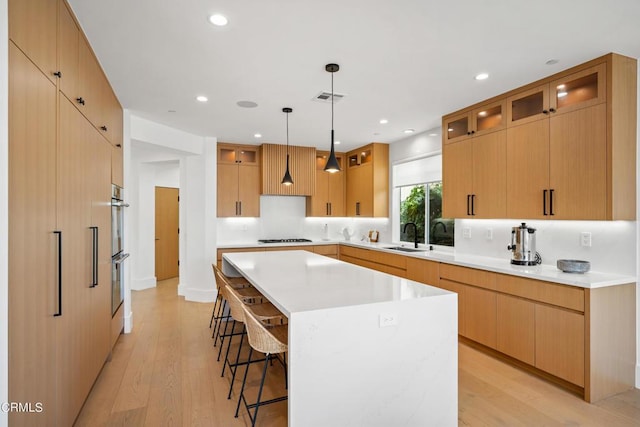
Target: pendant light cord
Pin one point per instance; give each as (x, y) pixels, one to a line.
(287, 134)
(332, 102)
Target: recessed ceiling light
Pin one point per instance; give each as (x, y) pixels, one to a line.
(246, 104)
(257, 135)
(201, 98)
(551, 62)
(336, 142)
(409, 130)
(433, 134)
(482, 76)
(562, 94)
(218, 20)
(560, 86)
(384, 121)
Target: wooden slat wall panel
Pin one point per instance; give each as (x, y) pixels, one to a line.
(301, 166)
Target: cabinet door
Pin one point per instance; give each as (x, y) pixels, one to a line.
(490, 175)
(489, 118)
(249, 190)
(578, 164)
(227, 190)
(528, 106)
(423, 271)
(457, 178)
(560, 343)
(359, 190)
(117, 165)
(89, 84)
(579, 90)
(456, 128)
(33, 253)
(68, 62)
(111, 115)
(336, 194)
(516, 327)
(528, 170)
(480, 315)
(319, 202)
(33, 28)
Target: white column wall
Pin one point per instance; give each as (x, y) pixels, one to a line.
(4, 210)
(128, 218)
(638, 241)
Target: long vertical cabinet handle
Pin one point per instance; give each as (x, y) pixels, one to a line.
(94, 257)
(326, 208)
(59, 312)
(468, 204)
(240, 209)
(473, 204)
(330, 209)
(357, 208)
(236, 207)
(551, 202)
(544, 202)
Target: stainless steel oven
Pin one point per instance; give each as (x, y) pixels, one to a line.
(117, 247)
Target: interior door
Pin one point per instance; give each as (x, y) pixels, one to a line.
(167, 231)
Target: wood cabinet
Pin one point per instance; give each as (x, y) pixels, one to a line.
(515, 333)
(570, 145)
(375, 260)
(302, 162)
(33, 28)
(117, 166)
(32, 242)
(59, 222)
(329, 196)
(330, 251)
(368, 181)
(423, 271)
(483, 119)
(475, 177)
(238, 189)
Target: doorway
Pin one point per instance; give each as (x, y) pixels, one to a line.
(167, 232)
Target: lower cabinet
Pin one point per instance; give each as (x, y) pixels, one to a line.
(375, 260)
(330, 251)
(480, 315)
(515, 319)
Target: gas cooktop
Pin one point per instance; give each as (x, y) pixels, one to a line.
(284, 240)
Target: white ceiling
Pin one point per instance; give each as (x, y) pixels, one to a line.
(409, 61)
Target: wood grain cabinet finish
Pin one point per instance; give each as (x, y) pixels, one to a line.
(572, 135)
(368, 181)
(302, 161)
(238, 183)
(329, 196)
(375, 260)
(515, 318)
(423, 271)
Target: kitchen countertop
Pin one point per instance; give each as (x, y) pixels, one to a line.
(549, 273)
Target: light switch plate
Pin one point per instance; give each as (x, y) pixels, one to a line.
(585, 239)
(489, 234)
(466, 233)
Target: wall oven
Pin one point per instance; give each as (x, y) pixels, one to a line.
(117, 248)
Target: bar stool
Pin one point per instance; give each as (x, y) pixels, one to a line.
(264, 312)
(219, 306)
(271, 341)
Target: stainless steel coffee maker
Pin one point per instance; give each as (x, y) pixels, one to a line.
(523, 246)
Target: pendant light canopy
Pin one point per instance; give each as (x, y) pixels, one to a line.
(286, 179)
(332, 165)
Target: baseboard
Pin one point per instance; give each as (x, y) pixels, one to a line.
(638, 375)
(128, 322)
(142, 284)
(197, 295)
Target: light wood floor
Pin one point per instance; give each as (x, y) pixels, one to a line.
(165, 374)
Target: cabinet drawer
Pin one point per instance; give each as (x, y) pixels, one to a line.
(470, 276)
(289, 248)
(397, 261)
(423, 271)
(551, 293)
(326, 249)
(231, 250)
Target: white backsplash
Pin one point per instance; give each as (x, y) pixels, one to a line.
(283, 217)
(613, 248)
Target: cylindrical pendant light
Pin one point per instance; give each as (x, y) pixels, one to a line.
(287, 180)
(332, 165)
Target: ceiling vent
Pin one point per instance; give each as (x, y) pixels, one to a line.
(326, 97)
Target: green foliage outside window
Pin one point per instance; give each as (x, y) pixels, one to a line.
(413, 208)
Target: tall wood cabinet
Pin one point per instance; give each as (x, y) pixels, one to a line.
(238, 186)
(368, 181)
(301, 166)
(329, 196)
(570, 147)
(60, 173)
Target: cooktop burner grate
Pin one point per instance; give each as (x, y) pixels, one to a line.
(284, 240)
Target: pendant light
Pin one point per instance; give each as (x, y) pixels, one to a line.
(287, 180)
(332, 165)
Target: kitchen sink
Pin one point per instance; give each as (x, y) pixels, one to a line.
(405, 249)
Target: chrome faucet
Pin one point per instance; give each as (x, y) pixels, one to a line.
(415, 234)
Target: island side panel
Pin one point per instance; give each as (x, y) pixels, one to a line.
(345, 369)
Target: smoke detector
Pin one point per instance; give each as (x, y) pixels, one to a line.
(325, 96)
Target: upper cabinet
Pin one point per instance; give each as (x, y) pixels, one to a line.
(33, 28)
(569, 150)
(328, 199)
(238, 181)
(368, 181)
(301, 166)
(483, 119)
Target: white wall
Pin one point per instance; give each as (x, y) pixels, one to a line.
(168, 174)
(4, 210)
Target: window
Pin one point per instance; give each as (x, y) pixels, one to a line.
(421, 205)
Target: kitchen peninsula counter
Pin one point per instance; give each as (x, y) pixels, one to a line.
(365, 347)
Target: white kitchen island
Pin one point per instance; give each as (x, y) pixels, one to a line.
(365, 348)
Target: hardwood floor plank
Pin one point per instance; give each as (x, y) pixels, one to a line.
(165, 374)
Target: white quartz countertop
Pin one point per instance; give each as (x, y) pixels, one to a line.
(550, 273)
(299, 281)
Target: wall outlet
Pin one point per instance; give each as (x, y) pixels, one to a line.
(585, 239)
(388, 319)
(466, 233)
(489, 234)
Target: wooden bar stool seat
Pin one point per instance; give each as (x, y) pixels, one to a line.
(219, 314)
